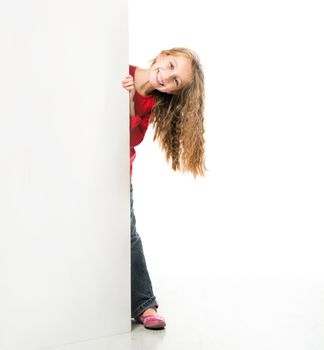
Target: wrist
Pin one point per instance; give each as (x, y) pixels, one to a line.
(131, 108)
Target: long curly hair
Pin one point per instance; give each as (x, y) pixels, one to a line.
(178, 119)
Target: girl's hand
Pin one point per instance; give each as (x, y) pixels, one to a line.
(128, 84)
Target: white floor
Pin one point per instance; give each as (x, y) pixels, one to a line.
(215, 313)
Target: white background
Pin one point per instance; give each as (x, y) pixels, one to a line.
(258, 213)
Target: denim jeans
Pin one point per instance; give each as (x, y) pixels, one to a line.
(142, 296)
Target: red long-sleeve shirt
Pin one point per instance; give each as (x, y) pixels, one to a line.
(140, 121)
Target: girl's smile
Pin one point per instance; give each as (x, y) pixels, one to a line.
(158, 78)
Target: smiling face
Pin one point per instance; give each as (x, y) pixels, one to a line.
(170, 73)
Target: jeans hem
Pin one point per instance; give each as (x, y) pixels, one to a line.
(146, 305)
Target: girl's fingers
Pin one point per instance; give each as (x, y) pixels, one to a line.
(128, 88)
(128, 78)
(128, 83)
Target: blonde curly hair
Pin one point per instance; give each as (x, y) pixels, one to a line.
(178, 119)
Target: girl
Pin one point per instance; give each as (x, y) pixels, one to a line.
(169, 95)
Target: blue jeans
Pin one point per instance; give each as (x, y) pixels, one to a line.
(142, 296)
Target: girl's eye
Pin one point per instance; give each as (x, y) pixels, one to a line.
(171, 65)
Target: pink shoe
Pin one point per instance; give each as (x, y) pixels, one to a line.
(152, 321)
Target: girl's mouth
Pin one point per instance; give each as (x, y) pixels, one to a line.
(158, 78)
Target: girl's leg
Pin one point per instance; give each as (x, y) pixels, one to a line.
(141, 286)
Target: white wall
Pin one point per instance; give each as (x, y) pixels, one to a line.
(258, 213)
(64, 183)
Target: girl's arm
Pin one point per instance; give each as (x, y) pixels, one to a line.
(128, 84)
(138, 124)
(138, 128)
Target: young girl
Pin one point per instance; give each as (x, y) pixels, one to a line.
(169, 95)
